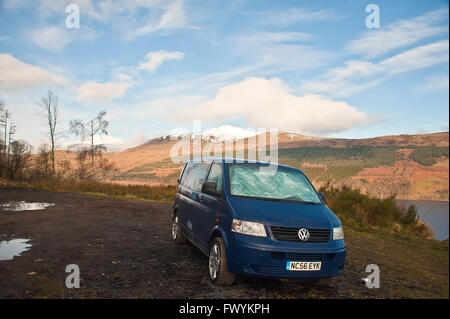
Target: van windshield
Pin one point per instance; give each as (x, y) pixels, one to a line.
(280, 184)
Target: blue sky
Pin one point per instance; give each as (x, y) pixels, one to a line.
(312, 67)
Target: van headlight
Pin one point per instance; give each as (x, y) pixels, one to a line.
(248, 228)
(338, 233)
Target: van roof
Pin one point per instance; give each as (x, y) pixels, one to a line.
(236, 160)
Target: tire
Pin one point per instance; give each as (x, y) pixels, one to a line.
(218, 268)
(177, 236)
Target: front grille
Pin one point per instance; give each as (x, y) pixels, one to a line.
(291, 234)
(304, 257)
(301, 256)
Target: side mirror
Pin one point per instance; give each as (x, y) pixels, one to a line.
(322, 195)
(211, 188)
(178, 181)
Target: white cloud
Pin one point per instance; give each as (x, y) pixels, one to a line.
(354, 68)
(95, 92)
(55, 38)
(111, 9)
(435, 82)
(417, 58)
(172, 18)
(264, 103)
(130, 18)
(294, 16)
(202, 84)
(356, 76)
(155, 59)
(278, 51)
(16, 75)
(399, 34)
(49, 7)
(290, 57)
(51, 38)
(46, 8)
(339, 89)
(265, 37)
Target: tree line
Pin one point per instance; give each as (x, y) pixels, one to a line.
(18, 163)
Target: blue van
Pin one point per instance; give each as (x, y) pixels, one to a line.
(257, 219)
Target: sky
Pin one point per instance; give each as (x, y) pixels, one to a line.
(311, 67)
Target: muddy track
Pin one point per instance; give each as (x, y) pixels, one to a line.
(124, 250)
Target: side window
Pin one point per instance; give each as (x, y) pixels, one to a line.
(186, 174)
(215, 175)
(194, 176)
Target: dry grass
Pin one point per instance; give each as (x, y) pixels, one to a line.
(161, 193)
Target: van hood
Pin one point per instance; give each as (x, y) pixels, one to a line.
(285, 214)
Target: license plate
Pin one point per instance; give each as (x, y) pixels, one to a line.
(303, 265)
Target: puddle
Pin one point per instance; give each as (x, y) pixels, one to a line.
(18, 206)
(14, 247)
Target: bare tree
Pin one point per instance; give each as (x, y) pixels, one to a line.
(12, 131)
(43, 161)
(20, 155)
(2, 109)
(87, 130)
(66, 167)
(2, 106)
(5, 116)
(49, 108)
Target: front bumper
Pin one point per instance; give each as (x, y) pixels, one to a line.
(266, 257)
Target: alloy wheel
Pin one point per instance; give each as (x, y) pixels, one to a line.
(214, 261)
(175, 228)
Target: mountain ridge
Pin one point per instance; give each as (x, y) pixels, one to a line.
(408, 166)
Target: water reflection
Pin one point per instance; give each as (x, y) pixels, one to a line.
(22, 205)
(434, 213)
(14, 247)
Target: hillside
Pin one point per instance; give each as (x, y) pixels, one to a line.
(410, 166)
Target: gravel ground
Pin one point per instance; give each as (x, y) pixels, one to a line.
(124, 250)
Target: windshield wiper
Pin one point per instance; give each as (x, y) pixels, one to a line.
(270, 199)
(293, 199)
(309, 203)
(284, 200)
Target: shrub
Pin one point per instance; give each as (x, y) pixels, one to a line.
(365, 212)
(428, 155)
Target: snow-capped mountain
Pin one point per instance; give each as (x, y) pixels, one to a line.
(231, 133)
(219, 134)
(224, 133)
